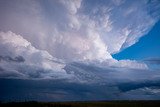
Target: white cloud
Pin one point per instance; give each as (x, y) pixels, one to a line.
(128, 64)
(19, 59)
(72, 5)
(36, 63)
(131, 64)
(75, 29)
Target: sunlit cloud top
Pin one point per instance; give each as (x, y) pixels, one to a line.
(79, 29)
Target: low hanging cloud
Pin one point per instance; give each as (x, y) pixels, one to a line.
(10, 59)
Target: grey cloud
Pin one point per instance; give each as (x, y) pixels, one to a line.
(153, 60)
(1, 69)
(62, 90)
(10, 59)
(94, 73)
(124, 87)
(83, 81)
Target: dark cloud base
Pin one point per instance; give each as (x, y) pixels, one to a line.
(10, 59)
(60, 90)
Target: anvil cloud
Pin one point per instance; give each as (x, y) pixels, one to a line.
(79, 30)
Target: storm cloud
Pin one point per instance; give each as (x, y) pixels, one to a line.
(65, 48)
(82, 29)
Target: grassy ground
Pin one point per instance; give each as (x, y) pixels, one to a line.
(84, 104)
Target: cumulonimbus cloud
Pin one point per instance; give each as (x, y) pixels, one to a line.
(72, 31)
(75, 30)
(19, 59)
(68, 45)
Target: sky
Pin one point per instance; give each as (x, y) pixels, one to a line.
(73, 50)
(147, 47)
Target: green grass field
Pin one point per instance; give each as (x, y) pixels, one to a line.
(84, 104)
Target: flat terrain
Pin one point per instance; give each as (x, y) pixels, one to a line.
(84, 104)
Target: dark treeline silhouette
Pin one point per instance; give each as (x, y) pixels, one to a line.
(83, 104)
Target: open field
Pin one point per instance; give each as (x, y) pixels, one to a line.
(84, 104)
